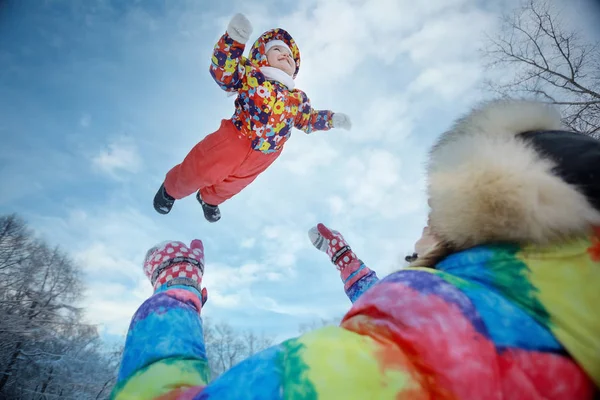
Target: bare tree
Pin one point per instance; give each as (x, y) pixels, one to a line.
(548, 61)
(318, 323)
(253, 342)
(225, 346)
(46, 350)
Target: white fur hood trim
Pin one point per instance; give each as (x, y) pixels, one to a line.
(486, 183)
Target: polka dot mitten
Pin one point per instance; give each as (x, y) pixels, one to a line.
(352, 269)
(172, 264)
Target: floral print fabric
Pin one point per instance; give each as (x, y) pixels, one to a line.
(265, 110)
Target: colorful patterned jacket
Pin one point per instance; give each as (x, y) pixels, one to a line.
(491, 322)
(265, 110)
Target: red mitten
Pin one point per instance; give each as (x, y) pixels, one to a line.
(333, 244)
(357, 277)
(351, 268)
(173, 263)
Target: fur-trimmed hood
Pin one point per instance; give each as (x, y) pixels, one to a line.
(508, 172)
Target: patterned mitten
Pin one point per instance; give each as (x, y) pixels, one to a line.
(351, 268)
(174, 264)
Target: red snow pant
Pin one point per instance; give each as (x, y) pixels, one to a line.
(220, 166)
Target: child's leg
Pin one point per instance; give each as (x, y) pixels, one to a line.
(212, 160)
(245, 174)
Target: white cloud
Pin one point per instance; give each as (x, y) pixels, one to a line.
(225, 301)
(371, 176)
(282, 245)
(121, 156)
(452, 36)
(233, 278)
(306, 157)
(112, 305)
(116, 286)
(274, 276)
(296, 309)
(385, 119)
(449, 81)
(248, 243)
(336, 204)
(341, 37)
(230, 286)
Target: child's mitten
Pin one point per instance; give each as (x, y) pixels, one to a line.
(340, 120)
(239, 28)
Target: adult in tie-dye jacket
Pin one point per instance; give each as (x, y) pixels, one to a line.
(502, 303)
(267, 107)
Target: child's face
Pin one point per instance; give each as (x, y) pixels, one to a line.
(279, 57)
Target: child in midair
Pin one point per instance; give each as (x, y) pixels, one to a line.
(267, 107)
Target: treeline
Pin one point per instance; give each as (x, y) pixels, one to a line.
(47, 351)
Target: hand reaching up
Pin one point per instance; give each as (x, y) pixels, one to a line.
(174, 263)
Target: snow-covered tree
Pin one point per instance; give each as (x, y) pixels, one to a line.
(46, 349)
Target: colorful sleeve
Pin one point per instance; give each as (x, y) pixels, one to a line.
(228, 66)
(164, 351)
(330, 362)
(309, 119)
(357, 278)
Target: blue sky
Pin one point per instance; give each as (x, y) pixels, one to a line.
(100, 98)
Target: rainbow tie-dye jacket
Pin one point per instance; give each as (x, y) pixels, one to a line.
(265, 110)
(492, 322)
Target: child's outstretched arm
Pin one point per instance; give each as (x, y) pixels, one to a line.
(309, 119)
(357, 277)
(228, 66)
(164, 351)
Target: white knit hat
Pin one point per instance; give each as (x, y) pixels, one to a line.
(277, 42)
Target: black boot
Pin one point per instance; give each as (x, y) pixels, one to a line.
(211, 213)
(163, 202)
